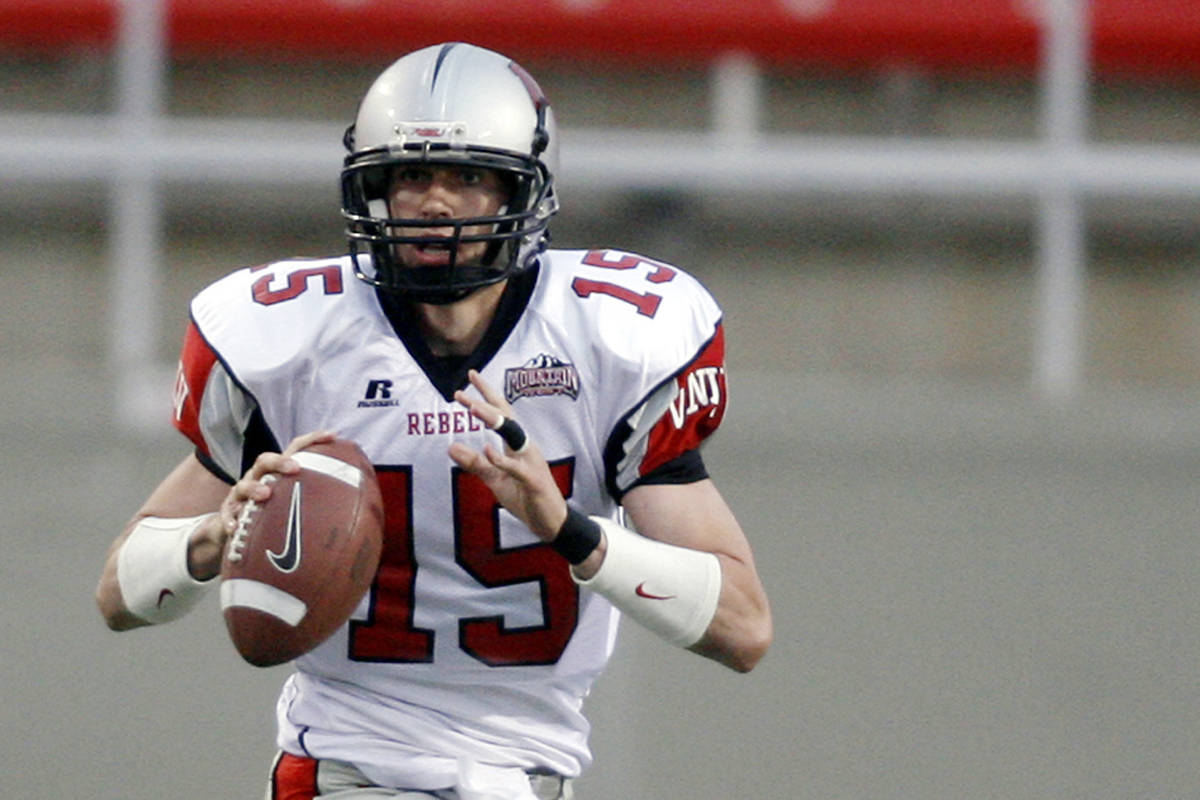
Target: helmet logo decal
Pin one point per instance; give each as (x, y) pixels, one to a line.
(405, 133)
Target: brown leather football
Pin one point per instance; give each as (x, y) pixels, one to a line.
(300, 562)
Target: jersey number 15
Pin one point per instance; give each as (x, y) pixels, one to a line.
(389, 634)
(645, 303)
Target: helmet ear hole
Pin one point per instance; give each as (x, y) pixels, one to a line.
(375, 183)
(511, 187)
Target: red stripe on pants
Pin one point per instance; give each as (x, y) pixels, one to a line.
(294, 778)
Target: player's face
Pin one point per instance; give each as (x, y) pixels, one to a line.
(430, 192)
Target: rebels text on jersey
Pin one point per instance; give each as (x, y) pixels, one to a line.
(473, 638)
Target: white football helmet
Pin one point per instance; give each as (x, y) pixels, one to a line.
(453, 104)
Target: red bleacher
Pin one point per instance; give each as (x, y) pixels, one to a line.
(1155, 37)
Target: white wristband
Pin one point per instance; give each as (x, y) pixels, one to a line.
(152, 569)
(671, 590)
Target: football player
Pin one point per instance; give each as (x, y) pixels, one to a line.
(535, 418)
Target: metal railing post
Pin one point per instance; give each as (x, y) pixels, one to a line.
(1062, 233)
(136, 238)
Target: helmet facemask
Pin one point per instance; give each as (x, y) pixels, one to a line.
(514, 236)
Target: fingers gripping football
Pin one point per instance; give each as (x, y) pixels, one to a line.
(212, 538)
(255, 485)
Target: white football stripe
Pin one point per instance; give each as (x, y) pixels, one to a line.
(263, 597)
(327, 465)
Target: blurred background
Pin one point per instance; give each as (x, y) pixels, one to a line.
(957, 246)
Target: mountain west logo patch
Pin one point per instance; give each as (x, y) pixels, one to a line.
(541, 376)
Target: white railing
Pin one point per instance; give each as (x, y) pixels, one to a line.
(139, 147)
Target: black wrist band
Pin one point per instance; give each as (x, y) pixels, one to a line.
(578, 537)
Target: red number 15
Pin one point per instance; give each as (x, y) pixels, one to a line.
(646, 304)
(389, 634)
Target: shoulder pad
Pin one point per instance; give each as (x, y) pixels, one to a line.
(642, 309)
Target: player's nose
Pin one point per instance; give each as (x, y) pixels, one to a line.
(437, 202)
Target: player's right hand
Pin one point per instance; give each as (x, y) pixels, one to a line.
(209, 541)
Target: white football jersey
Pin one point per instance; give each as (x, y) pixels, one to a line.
(473, 640)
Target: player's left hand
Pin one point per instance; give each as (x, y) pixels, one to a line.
(520, 479)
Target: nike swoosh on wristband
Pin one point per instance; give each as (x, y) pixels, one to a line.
(289, 559)
(641, 591)
(163, 595)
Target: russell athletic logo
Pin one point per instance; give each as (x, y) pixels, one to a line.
(541, 376)
(378, 395)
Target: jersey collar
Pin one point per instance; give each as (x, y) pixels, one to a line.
(448, 374)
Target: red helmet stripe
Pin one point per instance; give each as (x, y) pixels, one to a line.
(531, 86)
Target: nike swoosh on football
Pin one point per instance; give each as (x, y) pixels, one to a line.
(289, 559)
(641, 591)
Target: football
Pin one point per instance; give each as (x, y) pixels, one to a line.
(299, 563)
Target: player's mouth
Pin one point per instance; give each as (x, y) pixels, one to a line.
(431, 254)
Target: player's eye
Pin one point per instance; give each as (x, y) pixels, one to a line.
(409, 176)
(470, 177)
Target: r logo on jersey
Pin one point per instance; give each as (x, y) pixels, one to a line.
(378, 394)
(541, 376)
